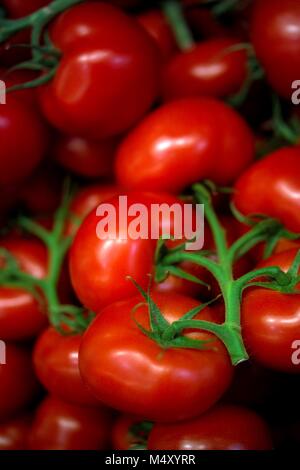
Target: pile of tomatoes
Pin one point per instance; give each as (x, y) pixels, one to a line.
(147, 100)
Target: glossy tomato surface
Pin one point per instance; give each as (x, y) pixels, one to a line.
(128, 371)
(222, 428)
(55, 359)
(59, 425)
(184, 142)
(14, 433)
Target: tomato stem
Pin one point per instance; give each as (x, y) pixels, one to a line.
(173, 11)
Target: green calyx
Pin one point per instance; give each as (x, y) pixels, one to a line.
(221, 267)
(68, 319)
(45, 57)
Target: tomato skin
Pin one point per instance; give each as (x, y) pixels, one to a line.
(103, 51)
(19, 8)
(18, 382)
(20, 156)
(55, 360)
(85, 157)
(134, 375)
(13, 433)
(222, 428)
(184, 142)
(271, 187)
(270, 325)
(207, 69)
(275, 34)
(16, 77)
(100, 274)
(271, 320)
(157, 26)
(87, 427)
(20, 314)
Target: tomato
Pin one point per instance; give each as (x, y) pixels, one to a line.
(270, 327)
(157, 26)
(275, 33)
(271, 187)
(184, 142)
(271, 320)
(103, 51)
(222, 428)
(100, 273)
(207, 69)
(19, 8)
(128, 371)
(13, 433)
(23, 142)
(85, 157)
(123, 435)
(63, 426)
(204, 23)
(21, 316)
(18, 383)
(55, 359)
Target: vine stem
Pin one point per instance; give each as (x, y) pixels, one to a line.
(36, 20)
(173, 11)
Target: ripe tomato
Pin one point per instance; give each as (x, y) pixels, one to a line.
(55, 359)
(222, 428)
(85, 157)
(23, 139)
(184, 142)
(21, 316)
(128, 371)
(271, 320)
(100, 273)
(18, 383)
(157, 26)
(19, 8)
(103, 51)
(16, 77)
(13, 433)
(271, 187)
(275, 34)
(62, 426)
(208, 69)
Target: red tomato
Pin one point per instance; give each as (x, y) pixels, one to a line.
(184, 142)
(270, 327)
(130, 372)
(271, 186)
(21, 316)
(18, 383)
(56, 364)
(88, 198)
(275, 33)
(123, 438)
(13, 433)
(19, 8)
(103, 51)
(100, 273)
(222, 428)
(85, 157)
(62, 426)
(271, 320)
(24, 141)
(156, 25)
(208, 69)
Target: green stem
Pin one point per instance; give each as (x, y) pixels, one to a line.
(173, 11)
